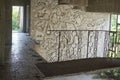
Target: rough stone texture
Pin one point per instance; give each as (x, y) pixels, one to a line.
(48, 15)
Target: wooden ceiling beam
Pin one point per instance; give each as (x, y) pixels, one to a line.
(110, 6)
(106, 6)
(73, 2)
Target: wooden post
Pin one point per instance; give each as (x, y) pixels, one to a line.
(8, 23)
(24, 19)
(2, 31)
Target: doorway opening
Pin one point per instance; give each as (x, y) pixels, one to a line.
(17, 18)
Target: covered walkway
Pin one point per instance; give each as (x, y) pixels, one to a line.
(22, 59)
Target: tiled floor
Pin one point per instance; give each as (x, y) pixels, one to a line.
(22, 59)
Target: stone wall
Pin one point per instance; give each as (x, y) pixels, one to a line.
(48, 15)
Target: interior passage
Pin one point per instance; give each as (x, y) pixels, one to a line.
(22, 59)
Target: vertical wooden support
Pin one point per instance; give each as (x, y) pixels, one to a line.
(26, 16)
(24, 19)
(2, 31)
(8, 24)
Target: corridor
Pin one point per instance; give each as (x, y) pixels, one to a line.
(22, 59)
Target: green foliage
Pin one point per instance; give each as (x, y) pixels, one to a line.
(110, 74)
(15, 23)
(113, 22)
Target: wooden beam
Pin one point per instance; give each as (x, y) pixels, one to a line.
(106, 6)
(2, 31)
(73, 2)
(110, 6)
(8, 24)
(19, 2)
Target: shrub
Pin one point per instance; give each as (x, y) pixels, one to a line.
(15, 18)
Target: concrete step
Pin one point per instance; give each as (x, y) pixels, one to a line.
(77, 66)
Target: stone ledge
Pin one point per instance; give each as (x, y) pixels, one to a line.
(77, 66)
